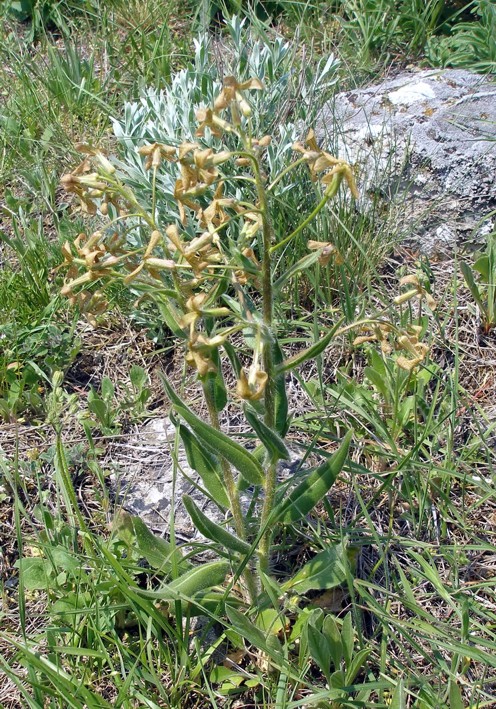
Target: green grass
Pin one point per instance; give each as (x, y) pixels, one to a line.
(404, 616)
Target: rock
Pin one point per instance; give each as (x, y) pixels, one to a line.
(426, 141)
(142, 480)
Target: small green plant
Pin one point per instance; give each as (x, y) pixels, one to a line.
(106, 411)
(47, 15)
(35, 340)
(469, 44)
(40, 14)
(483, 291)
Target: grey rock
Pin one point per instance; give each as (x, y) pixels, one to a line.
(427, 142)
(150, 474)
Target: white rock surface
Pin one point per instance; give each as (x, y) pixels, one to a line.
(427, 140)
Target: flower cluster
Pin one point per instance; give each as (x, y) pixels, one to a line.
(323, 166)
(190, 259)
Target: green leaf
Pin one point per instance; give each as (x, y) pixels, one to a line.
(217, 441)
(310, 352)
(326, 570)
(254, 635)
(171, 317)
(300, 265)
(347, 638)
(212, 530)
(233, 358)
(200, 578)
(455, 696)
(482, 267)
(398, 700)
(138, 377)
(272, 442)
(356, 664)
(108, 389)
(35, 572)
(211, 602)
(158, 552)
(269, 621)
(319, 650)
(214, 382)
(331, 631)
(472, 285)
(206, 465)
(308, 493)
(280, 394)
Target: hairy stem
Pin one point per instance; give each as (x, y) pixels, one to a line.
(268, 360)
(232, 492)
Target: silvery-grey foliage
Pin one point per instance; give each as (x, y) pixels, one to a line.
(169, 116)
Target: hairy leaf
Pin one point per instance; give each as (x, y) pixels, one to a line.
(270, 439)
(217, 441)
(212, 530)
(308, 493)
(206, 465)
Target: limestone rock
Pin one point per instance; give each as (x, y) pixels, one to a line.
(427, 141)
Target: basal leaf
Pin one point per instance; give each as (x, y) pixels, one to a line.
(35, 572)
(455, 696)
(319, 650)
(243, 625)
(326, 570)
(200, 578)
(398, 700)
(356, 664)
(158, 552)
(472, 285)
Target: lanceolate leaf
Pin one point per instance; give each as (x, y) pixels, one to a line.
(233, 358)
(326, 570)
(356, 664)
(212, 530)
(472, 285)
(243, 625)
(272, 442)
(171, 317)
(281, 397)
(398, 700)
(158, 552)
(215, 383)
(217, 441)
(310, 352)
(206, 465)
(319, 650)
(308, 493)
(300, 265)
(200, 578)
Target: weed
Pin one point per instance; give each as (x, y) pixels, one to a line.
(484, 292)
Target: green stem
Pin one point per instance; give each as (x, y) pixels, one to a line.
(268, 360)
(286, 170)
(232, 493)
(330, 192)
